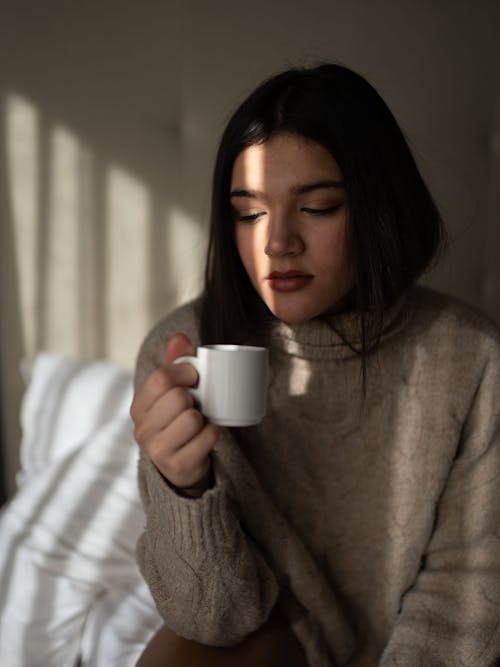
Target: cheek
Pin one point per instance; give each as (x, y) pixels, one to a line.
(332, 246)
(335, 256)
(245, 245)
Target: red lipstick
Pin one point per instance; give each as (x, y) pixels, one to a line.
(288, 281)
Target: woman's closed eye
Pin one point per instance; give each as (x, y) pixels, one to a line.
(253, 216)
(248, 217)
(321, 211)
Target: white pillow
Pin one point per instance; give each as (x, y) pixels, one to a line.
(67, 539)
(65, 401)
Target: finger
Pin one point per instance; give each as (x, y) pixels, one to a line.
(163, 379)
(160, 382)
(186, 426)
(183, 375)
(191, 463)
(157, 384)
(161, 414)
(178, 346)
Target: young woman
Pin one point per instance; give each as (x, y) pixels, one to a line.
(358, 524)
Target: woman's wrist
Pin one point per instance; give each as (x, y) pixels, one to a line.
(198, 489)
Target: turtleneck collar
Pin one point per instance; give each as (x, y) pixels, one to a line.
(336, 335)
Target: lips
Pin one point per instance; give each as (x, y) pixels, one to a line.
(288, 274)
(288, 281)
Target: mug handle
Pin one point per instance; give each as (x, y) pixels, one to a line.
(194, 361)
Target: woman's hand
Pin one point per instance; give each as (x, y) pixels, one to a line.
(169, 428)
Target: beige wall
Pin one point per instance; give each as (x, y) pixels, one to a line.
(110, 116)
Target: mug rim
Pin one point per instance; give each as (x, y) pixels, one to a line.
(232, 347)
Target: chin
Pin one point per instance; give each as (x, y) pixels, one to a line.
(293, 315)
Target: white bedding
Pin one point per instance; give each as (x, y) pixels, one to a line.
(70, 589)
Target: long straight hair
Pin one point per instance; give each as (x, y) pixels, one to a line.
(394, 229)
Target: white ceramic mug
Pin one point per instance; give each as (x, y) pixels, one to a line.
(232, 384)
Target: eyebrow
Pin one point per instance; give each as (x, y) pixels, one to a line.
(297, 189)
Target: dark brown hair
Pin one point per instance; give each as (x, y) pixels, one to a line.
(395, 228)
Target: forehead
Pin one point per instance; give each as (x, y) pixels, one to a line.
(284, 160)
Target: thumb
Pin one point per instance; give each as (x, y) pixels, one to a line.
(178, 346)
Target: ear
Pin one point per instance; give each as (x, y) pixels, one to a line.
(178, 346)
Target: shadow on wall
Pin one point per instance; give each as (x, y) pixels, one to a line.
(11, 347)
(96, 242)
(92, 246)
(91, 253)
(92, 129)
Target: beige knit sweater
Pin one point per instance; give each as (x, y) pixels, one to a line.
(375, 524)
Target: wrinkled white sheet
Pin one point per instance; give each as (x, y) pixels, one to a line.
(69, 586)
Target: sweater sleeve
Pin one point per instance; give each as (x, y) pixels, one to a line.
(451, 615)
(208, 579)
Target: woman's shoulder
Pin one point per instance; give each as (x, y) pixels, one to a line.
(183, 319)
(462, 323)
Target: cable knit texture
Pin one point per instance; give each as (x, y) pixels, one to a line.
(374, 523)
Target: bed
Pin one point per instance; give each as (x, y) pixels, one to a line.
(70, 590)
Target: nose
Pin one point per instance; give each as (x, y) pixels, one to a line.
(283, 238)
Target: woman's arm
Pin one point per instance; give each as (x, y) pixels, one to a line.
(209, 582)
(207, 578)
(451, 615)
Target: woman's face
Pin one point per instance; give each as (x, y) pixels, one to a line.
(290, 213)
